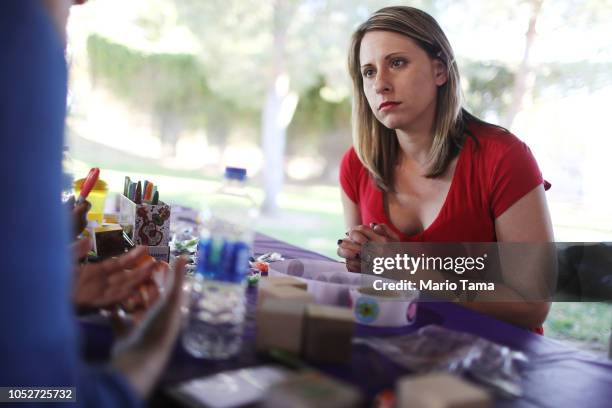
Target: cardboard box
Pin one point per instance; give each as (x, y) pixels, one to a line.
(439, 391)
(108, 240)
(328, 334)
(284, 281)
(280, 324)
(267, 291)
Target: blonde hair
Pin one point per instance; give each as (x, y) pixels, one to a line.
(376, 145)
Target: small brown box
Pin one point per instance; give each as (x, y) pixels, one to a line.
(109, 240)
(439, 391)
(328, 334)
(284, 281)
(283, 292)
(280, 324)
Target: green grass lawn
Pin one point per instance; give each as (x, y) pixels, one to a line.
(587, 325)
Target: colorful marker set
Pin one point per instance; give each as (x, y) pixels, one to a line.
(141, 192)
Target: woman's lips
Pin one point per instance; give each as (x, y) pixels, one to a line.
(386, 106)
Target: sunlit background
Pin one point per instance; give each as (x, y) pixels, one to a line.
(174, 90)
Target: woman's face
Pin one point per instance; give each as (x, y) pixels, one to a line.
(400, 80)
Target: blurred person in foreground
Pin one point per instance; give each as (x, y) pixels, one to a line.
(39, 345)
(422, 168)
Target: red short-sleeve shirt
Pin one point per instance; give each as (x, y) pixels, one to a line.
(490, 176)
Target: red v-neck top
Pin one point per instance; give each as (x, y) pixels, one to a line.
(490, 176)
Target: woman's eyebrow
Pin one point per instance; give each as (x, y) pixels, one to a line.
(387, 57)
(394, 54)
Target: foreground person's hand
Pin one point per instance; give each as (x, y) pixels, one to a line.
(142, 356)
(110, 282)
(78, 215)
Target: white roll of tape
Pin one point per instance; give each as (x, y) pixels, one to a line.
(384, 308)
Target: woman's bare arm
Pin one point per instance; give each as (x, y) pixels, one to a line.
(527, 221)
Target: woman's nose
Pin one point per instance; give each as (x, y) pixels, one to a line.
(381, 83)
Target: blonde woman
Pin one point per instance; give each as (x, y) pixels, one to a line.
(424, 169)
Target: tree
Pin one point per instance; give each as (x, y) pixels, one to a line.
(266, 53)
(171, 87)
(522, 78)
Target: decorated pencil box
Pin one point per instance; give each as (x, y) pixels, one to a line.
(147, 224)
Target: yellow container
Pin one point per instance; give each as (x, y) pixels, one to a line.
(97, 198)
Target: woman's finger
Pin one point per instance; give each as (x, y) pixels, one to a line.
(350, 245)
(360, 234)
(364, 233)
(348, 250)
(353, 265)
(386, 231)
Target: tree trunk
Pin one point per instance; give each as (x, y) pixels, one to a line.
(524, 79)
(169, 129)
(278, 99)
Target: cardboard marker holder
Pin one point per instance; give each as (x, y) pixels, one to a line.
(147, 225)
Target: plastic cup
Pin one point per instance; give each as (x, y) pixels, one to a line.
(97, 198)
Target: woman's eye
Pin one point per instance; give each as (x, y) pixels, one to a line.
(367, 73)
(397, 62)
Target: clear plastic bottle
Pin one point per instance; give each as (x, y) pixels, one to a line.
(217, 298)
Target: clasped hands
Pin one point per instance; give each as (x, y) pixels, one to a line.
(125, 281)
(350, 246)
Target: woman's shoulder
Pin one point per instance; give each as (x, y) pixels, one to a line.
(350, 161)
(491, 139)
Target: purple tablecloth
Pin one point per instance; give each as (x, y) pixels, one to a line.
(557, 375)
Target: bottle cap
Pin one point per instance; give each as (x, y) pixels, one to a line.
(235, 173)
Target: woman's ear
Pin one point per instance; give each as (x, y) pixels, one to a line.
(440, 72)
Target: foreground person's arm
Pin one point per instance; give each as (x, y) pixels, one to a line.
(143, 360)
(39, 346)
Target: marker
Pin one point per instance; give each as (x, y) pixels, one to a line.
(126, 186)
(155, 199)
(131, 190)
(138, 197)
(148, 192)
(88, 184)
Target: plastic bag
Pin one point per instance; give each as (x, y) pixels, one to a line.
(434, 348)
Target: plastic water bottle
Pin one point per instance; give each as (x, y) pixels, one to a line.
(217, 299)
